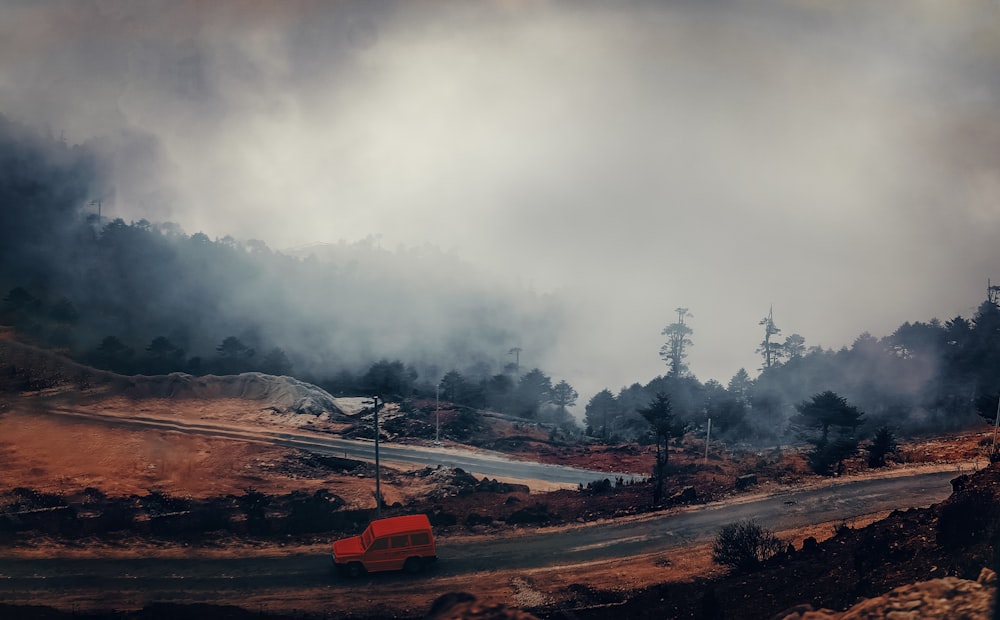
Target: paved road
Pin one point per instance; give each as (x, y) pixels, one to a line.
(481, 463)
(781, 511)
(166, 579)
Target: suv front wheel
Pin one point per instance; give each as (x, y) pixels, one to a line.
(355, 570)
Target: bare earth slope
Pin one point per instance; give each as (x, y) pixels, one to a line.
(28, 367)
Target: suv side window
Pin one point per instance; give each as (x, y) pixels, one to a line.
(379, 544)
(421, 538)
(400, 541)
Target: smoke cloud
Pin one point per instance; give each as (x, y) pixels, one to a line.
(841, 162)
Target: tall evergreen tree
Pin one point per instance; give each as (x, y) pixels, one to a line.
(741, 386)
(276, 362)
(830, 424)
(674, 350)
(794, 347)
(454, 387)
(533, 391)
(563, 395)
(665, 426)
(600, 413)
(770, 351)
(882, 445)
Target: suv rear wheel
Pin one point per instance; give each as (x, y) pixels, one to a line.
(413, 565)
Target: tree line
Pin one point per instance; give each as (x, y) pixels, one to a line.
(924, 377)
(531, 395)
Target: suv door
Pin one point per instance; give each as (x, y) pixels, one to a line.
(378, 556)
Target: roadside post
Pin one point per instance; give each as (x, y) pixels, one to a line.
(378, 473)
(437, 414)
(993, 450)
(708, 437)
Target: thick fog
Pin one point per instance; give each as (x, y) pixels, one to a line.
(840, 162)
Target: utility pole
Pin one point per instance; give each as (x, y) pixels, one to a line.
(708, 437)
(996, 427)
(516, 351)
(378, 476)
(437, 414)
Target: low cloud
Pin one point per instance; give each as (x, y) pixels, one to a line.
(838, 162)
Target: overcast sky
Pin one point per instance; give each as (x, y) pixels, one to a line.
(840, 161)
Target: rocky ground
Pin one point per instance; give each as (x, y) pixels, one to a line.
(945, 598)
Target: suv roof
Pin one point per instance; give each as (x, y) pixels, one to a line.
(406, 523)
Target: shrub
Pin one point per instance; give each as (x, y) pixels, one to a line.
(439, 518)
(475, 519)
(532, 515)
(312, 513)
(882, 445)
(745, 544)
(596, 487)
(254, 505)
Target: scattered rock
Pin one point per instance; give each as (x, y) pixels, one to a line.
(526, 594)
(987, 577)
(535, 515)
(684, 496)
(805, 612)
(745, 482)
(960, 483)
(494, 486)
(464, 606)
(948, 597)
(439, 518)
(449, 481)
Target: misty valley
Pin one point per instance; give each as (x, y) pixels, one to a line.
(508, 310)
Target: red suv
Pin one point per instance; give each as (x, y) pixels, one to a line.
(397, 543)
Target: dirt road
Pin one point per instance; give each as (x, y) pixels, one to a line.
(504, 565)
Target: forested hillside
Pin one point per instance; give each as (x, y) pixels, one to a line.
(924, 377)
(148, 298)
